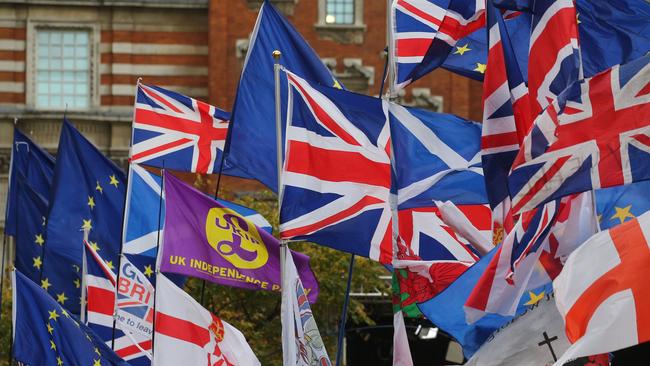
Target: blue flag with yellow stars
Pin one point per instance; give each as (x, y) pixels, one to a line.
(617, 205)
(35, 165)
(30, 229)
(88, 193)
(47, 334)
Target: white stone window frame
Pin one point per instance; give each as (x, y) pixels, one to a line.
(94, 33)
(358, 26)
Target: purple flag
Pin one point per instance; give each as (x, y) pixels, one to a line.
(207, 240)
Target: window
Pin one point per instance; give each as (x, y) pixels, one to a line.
(339, 12)
(62, 68)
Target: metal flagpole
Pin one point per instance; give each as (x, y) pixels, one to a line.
(344, 313)
(155, 294)
(4, 234)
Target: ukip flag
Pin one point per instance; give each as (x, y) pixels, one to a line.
(88, 193)
(45, 333)
(35, 165)
(207, 240)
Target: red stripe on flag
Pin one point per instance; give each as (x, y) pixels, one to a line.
(420, 13)
(154, 95)
(160, 148)
(101, 301)
(181, 329)
(133, 349)
(336, 166)
(305, 230)
(499, 140)
(409, 47)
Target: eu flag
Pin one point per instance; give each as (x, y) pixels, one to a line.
(36, 165)
(31, 207)
(46, 334)
(252, 142)
(88, 193)
(616, 205)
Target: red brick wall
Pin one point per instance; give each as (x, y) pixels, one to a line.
(230, 20)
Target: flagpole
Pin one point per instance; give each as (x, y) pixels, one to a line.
(157, 265)
(126, 201)
(344, 313)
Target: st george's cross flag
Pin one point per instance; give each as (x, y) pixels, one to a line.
(602, 292)
(345, 209)
(188, 334)
(595, 135)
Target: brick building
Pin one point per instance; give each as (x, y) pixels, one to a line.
(83, 57)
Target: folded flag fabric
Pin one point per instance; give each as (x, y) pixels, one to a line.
(595, 135)
(45, 333)
(302, 344)
(188, 334)
(204, 239)
(35, 165)
(602, 292)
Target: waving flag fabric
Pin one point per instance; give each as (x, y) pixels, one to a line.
(620, 204)
(436, 157)
(206, 240)
(35, 165)
(30, 229)
(252, 141)
(425, 31)
(45, 333)
(506, 111)
(188, 334)
(602, 291)
(88, 193)
(173, 131)
(596, 135)
(346, 209)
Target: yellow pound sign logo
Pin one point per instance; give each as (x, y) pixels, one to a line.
(227, 231)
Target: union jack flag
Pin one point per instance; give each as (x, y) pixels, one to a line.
(554, 55)
(424, 31)
(595, 135)
(337, 176)
(174, 131)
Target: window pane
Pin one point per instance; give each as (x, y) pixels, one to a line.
(63, 68)
(339, 11)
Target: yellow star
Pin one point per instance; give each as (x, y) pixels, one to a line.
(91, 202)
(45, 284)
(337, 85)
(97, 352)
(39, 239)
(88, 337)
(622, 213)
(65, 313)
(52, 345)
(480, 67)
(93, 244)
(37, 262)
(114, 181)
(76, 268)
(109, 264)
(53, 315)
(578, 18)
(99, 188)
(61, 298)
(59, 361)
(88, 224)
(534, 299)
(44, 221)
(50, 328)
(462, 50)
(148, 271)
(77, 283)
(97, 362)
